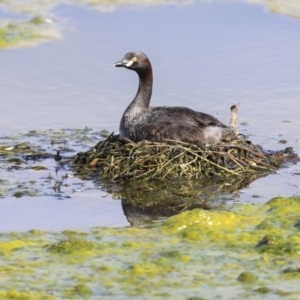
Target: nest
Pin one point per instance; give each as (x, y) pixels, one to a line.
(115, 160)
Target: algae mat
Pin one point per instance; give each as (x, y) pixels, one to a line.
(248, 252)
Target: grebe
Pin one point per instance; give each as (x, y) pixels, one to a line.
(143, 122)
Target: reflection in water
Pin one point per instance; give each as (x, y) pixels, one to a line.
(147, 201)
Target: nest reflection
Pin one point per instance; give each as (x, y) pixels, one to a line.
(147, 201)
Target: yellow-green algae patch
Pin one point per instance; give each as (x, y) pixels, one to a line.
(11, 245)
(248, 251)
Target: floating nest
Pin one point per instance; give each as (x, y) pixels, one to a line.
(115, 160)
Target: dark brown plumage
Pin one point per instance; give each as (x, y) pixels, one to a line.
(143, 122)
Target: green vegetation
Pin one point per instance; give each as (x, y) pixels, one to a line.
(26, 33)
(249, 251)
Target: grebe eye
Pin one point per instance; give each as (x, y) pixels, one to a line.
(134, 59)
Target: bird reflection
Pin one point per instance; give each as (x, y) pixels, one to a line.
(151, 201)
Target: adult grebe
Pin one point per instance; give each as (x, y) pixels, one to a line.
(143, 122)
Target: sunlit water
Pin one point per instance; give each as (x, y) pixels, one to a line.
(205, 56)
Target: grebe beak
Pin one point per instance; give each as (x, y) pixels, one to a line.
(121, 63)
(124, 63)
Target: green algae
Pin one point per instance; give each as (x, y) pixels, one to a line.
(27, 33)
(11, 245)
(81, 290)
(263, 290)
(278, 245)
(190, 256)
(72, 245)
(25, 295)
(247, 277)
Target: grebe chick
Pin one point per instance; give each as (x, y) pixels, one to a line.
(143, 122)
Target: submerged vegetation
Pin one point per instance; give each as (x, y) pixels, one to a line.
(29, 165)
(249, 251)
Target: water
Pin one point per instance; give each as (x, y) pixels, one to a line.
(205, 56)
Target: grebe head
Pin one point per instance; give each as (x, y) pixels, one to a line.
(137, 61)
